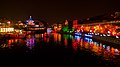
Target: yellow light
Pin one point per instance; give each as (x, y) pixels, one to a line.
(6, 29)
(113, 33)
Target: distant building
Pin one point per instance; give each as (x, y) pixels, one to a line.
(30, 21)
(75, 24)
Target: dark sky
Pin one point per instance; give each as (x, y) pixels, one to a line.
(56, 10)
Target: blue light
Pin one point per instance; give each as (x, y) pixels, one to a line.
(30, 20)
(77, 37)
(90, 40)
(49, 30)
(88, 35)
(78, 33)
(86, 38)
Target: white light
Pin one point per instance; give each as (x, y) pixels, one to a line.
(103, 46)
(88, 35)
(20, 31)
(8, 22)
(100, 44)
(36, 25)
(90, 30)
(42, 35)
(25, 25)
(108, 31)
(95, 34)
(95, 42)
(117, 37)
(108, 35)
(104, 35)
(116, 50)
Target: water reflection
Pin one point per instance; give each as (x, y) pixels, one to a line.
(97, 48)
(11, 42)
(30, 42)
(107, 52)
(86, 43)
(59, 38)
(46, 39)
(56, 38)
(66, 40)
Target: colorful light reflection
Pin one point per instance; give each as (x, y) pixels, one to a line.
(98, 48)
(30, 42)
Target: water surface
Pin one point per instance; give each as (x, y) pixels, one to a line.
(61, 49)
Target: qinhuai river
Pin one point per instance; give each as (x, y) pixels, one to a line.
(60, 49)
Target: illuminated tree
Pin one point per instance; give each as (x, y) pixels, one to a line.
(65, 29)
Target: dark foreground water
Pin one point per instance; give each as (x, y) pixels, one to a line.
(58, 49)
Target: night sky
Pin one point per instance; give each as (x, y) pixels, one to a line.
(53, 11)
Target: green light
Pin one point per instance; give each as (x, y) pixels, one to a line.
(65, 29)
(66, 36)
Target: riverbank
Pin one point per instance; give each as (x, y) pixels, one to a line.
(106, 39)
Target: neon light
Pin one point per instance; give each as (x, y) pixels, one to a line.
(86, 38)
(88, 35)
(91, 40)
(65, 29)
(78, 33)
(77, 37)
(30, 42)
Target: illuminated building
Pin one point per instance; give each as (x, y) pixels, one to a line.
(35, 26)
(30, 21)
(6, 30)
(75, 24)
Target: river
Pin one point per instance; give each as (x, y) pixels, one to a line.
(62, 49)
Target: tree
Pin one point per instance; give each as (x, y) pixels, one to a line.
(65, 29)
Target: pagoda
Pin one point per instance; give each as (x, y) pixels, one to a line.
(30, 21)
